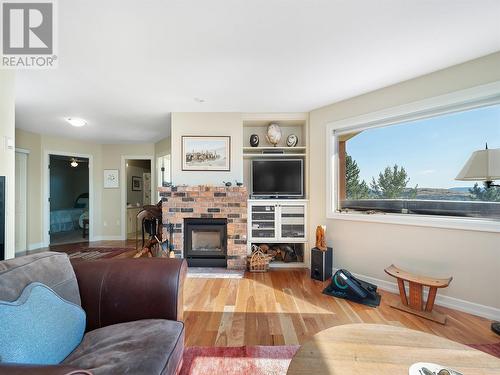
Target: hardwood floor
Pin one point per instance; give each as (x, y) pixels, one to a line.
(68, 247)
(286, 307)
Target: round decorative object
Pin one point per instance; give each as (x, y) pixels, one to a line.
(254, 140)
(273, 134)
(292, 140)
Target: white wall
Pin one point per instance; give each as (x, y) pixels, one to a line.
(228, 124)
(472, 258)
(7, 156)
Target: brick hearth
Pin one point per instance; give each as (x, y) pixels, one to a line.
(230, 203)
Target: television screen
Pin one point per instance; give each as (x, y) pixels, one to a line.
(281, 178)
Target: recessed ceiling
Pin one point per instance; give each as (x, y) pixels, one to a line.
(125, 65)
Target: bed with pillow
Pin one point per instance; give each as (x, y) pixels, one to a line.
(70, 218)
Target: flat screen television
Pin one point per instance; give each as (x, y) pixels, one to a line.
(278, 178)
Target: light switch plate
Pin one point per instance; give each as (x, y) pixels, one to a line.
(9, 143)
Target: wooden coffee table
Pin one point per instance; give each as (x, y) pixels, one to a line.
(382, 349)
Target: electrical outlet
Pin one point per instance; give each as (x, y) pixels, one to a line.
(118, 222)
(105, 223)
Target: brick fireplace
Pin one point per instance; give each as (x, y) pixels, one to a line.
(208, 202)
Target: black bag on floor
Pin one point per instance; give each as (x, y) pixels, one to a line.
(345, 285)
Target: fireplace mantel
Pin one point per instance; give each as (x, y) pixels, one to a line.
(203, 201)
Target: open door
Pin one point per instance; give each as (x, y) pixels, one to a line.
(69, 199)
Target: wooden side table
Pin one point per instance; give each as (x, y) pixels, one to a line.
(375, 349)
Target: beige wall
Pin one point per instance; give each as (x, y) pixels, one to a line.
(7, 156)
(111, 198)
(33, 142)
(107, 202)
(229, 124)
(163, 147)
(473, 258)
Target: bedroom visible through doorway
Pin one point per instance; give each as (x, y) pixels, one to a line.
(69, 199)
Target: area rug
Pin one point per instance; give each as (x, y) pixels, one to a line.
(214, 273)
(493, 349)
(244, 360)
(93, 253)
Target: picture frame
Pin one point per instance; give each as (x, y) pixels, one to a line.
(111, 179)
(206, 153)
(136, 183)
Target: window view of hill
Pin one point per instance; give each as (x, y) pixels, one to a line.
(420, 159)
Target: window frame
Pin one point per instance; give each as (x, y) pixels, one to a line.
(458, 101)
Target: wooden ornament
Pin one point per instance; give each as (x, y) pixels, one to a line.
(321, 238)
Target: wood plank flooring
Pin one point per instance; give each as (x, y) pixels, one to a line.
(286, 307)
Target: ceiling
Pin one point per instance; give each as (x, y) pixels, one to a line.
(125, 65)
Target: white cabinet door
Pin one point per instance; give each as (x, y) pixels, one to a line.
(292, 221)
(263, 222)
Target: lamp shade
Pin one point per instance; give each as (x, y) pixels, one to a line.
(483, 165)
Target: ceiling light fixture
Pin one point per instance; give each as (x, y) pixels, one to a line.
(76, 122)
(73, 163)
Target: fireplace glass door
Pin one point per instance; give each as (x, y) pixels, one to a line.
(205, 238)
(206, 241)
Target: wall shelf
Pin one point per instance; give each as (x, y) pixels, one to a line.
(270, 156)
(256, 149)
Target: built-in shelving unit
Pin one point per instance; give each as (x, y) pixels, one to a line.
(275, 225)
(290, 123)
(276, 222)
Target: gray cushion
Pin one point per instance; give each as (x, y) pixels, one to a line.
(49, 268)
(150, 346)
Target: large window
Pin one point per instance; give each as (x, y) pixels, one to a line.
(410, 167)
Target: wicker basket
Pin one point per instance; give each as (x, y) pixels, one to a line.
(259, 262)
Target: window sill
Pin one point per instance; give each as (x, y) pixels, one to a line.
(445, 222)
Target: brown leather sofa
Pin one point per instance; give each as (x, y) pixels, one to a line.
(133, 306)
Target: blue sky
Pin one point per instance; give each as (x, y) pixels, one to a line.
(432, 151)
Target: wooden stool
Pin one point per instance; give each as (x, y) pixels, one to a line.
(415, 304)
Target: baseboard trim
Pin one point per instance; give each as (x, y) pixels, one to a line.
(35, 246)
(483, 311)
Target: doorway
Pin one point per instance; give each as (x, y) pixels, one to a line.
(139, 189)
(21, 208)
(69, 204)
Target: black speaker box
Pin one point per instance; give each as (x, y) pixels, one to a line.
(321, 264)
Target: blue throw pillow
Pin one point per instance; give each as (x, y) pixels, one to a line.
(39, 327)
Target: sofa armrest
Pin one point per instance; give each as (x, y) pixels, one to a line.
(14, 369)
(123, 290)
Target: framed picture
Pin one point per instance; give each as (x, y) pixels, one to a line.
(111, 179)
(206, 153)
(136, 183)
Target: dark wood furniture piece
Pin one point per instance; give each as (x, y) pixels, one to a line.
(414, 303)
(85, 229)
(376, 349)
(150, 218)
